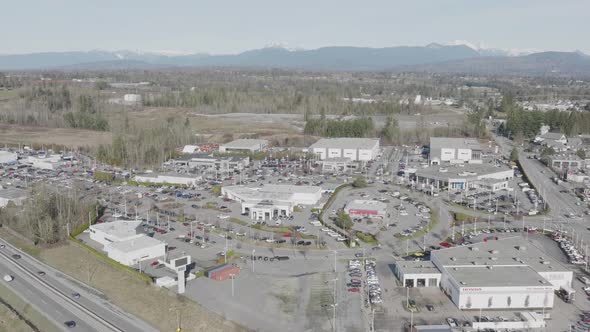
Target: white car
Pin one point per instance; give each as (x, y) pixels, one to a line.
(8, 278)
(223, 216)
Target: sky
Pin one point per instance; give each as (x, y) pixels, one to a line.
(223, 26)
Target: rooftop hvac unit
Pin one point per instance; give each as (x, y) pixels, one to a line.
(462, 282)
(453, 259)
(545, 262)
(494, 258)
(474, 249)
(490, 267)
(521, 248)
(494, 252)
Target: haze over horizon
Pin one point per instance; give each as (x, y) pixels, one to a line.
(230, 27)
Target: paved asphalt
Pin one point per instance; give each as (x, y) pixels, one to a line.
(51, 294)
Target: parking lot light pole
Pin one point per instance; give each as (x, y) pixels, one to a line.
(232, 284)
(253, 252)
(335, 253)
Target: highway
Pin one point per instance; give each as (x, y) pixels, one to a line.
(51, 294)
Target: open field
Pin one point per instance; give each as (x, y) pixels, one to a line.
(9, 321)
(156, 306)
(16, 134)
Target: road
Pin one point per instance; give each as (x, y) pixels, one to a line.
(51, 294)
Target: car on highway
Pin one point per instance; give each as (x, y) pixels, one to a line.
(16, 256)
(2, 246)
(41, 273)
(70, 324)
(76, 295)
(8, 278)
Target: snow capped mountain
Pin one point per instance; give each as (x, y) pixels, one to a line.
(485, 50)
(283, 45)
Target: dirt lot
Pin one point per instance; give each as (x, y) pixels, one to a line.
(15, 134)
(152, 304)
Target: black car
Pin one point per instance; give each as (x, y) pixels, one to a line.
(76, 295)
(16, 256)
(70, 324)
(300, 243)
(41, 273)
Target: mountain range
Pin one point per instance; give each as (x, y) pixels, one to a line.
(430, 58)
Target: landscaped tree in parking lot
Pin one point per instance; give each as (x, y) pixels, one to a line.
(359, 182)
(514, 155)
(343, 220)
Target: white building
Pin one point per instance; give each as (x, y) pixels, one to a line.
(49, 162)
(417, 273)
(190, 149)
(122, 243)
(355, 149)
(132, 99)
(14, 195)
(497, 275)
(270, 201)
(463, 177)
(454, 150)
(114, 231)
(244, 145)
(131, 251)
(359, 208)
(209, 162)
(171, 178)
(7, 157)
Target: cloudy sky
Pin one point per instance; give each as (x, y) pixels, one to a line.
(222, 26)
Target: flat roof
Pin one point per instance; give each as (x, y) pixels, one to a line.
(177, 175)
(13, 193)
(498, 276)
(271, 192)
(346, 143)
(118, 228)
(142, 241)
(513, 251)
(245, 143)
(466, 171)
(417, 267)
(454, 142)
(361, 204)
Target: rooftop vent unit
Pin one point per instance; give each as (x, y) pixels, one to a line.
(494, 252)
(521, 248)
(490, 267)
(474, 249)
(462, 282)
(494, 258)
(545, 262)
(474, 263)
(453, 259)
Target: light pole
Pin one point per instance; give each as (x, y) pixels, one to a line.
(253, 252)
(335, 303)
(335, 253)
(232, 284)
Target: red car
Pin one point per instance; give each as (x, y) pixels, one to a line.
(155, 263)
(287, 235)
(354, 290)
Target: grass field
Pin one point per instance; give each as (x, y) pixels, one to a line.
(147, 302)
(9, 321)
(7, 94)
(16, 134)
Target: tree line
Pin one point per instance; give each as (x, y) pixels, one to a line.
(47, 214)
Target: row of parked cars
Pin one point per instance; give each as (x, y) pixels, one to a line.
(373, 282)
(575, 257)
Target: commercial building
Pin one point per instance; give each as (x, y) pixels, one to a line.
(337, 165)
(417, 274)
(122, 243)
(366, 208)
(496, 274)
(454, 150)
(48, 162)
(223, 272)
(170, 178)
(271, 201)
(114, 231)
(244, 145)
(463, 177)
(14, 195)
(7, 157)
(355, 149)
(208, 162)
(138, 248)
(564, 161)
